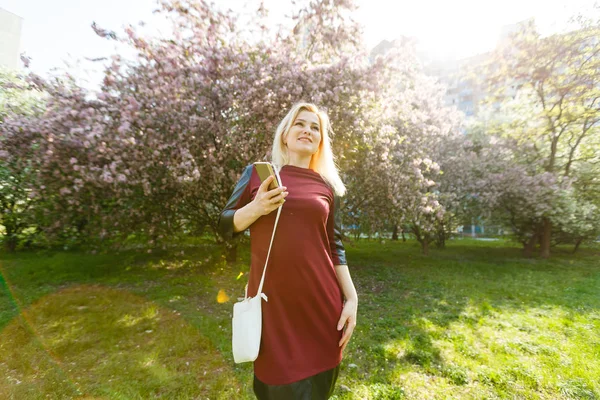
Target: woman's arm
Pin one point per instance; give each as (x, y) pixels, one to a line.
(244, 217)
(234, 220)
(345, 281)
(238, 199)
(338, 253)
(265, 202)
(350, 310)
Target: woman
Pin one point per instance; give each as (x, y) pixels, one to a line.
(311, 312)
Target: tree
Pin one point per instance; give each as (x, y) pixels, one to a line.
(16, 205)
(157, 150)
(554, 120)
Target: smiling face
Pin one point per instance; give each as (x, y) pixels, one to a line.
(304, 136)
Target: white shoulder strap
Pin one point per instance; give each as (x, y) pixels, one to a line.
(262, 280)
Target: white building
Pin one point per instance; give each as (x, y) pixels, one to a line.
(463, 91)
(10, 39)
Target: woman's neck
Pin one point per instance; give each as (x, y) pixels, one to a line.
(298, 161)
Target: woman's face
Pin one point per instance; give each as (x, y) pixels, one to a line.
(304, 136)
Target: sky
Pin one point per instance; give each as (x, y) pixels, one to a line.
(55, 31)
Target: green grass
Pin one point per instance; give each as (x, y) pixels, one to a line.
(473, 321)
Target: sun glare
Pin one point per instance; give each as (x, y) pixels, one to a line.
(460, 28)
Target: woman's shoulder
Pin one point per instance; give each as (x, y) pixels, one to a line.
(250, 176)
(246, 173)
(248, 169)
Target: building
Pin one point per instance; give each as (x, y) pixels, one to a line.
(463, 90)
(10, 39)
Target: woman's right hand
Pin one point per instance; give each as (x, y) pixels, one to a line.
(267, 200)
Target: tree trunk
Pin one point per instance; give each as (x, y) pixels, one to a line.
(81, 224)
(577, 245)
(403, 237)
(10, 238)
(425, 247)
(10, 243)
(231, 255)
(395, 232)
(441, 237)
(441, 243)
(545, 238)
(530, 245)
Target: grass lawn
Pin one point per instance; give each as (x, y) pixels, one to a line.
(473, 321)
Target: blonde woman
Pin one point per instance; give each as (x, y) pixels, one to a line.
(311, 312)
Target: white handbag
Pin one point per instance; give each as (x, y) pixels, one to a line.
(247, 314)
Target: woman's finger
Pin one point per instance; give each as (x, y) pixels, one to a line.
(347, 335)
(264, 186)
(345, 344)
(276, 191)
(277, 199)
(345, 339)
(343, 318)
(344, 323)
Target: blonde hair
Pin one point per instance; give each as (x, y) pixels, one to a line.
(323, 160)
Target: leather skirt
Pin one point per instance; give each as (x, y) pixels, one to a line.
(316, 387)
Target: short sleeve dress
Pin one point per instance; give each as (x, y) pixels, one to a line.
(300, 337)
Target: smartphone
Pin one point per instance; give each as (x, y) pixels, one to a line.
(264, 170)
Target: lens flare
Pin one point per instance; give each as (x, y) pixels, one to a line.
(222, 297)
(30, 327)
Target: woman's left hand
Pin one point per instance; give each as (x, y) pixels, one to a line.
(347, 321)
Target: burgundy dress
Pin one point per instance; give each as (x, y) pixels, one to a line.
(300, 337)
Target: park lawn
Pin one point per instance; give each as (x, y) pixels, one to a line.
(473, 321)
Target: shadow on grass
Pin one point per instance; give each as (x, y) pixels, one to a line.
(472, 319)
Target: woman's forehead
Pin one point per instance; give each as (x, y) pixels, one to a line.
(308, 116)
